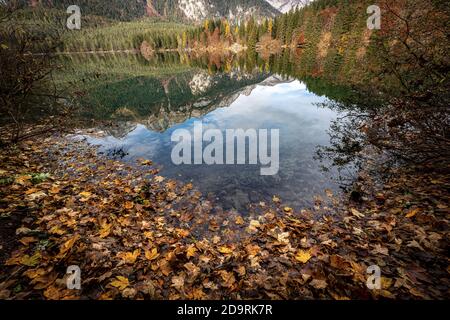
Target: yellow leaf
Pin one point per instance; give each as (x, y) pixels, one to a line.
(287, 209)
(412, 213)
(55, 189)
(128, 205)
(121, 283)
(27, 240)
(105, 230)
(190, 252)
(30, 191)
(276, 199)
(303, 256)
(146, 163)
(225, 250)
(22, 180)
(31, 261)
(356, 213)
(239, 220)
(148, 234)
(253, 226)
(85, 194)
(152, 254)
(57, 230)
(129, 257)
(67, 246)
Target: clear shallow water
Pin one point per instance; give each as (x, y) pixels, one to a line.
(286, 105)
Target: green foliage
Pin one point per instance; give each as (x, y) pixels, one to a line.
(126, 36)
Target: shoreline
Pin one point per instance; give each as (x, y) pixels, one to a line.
(136, 234)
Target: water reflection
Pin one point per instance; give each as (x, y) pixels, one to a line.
(139, 103)
(288, 106)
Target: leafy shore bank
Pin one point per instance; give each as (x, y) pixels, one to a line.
(138, 235)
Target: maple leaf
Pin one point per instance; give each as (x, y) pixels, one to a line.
(356, 213)
(27, 240)
(52, 293)
(129, 257)
(216, 239)
(34, 273)
(288, 210)
(190, 252)
(182, 233)
(159, 179)
(148, 234)
(412, 213)
(225, 250)
(105, 230)
(178, 282)
(152, 254)
(57, 230)
(380, 250)
(228, 278)
(192, 268)
(55, 189)
(253, 226)
(128, 205)
(120, 282)
(303, 256)
(239, 220)
(36, 196)
(65, 248)
(146, 163)
(31, 261)
(22, 180)
(85, 194)
(318, 284)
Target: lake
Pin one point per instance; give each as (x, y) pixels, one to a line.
(138, 104)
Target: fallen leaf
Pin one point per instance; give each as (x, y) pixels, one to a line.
(356, 213)
(239, 220)
(303, 256)
(105, 230)
(225, 250)
(152, 254)
(228, 278)
(412, 213)
(65, 248)
(129, 257)
(32, 261)
(128, 205)
(190, 252)
(178, 282)
(86, 194)
(318, 284)
(121, 283)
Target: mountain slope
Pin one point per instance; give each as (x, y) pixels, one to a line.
(197, 10)
(190, 10)
(287, 5)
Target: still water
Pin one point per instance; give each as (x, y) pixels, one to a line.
(141, 126)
